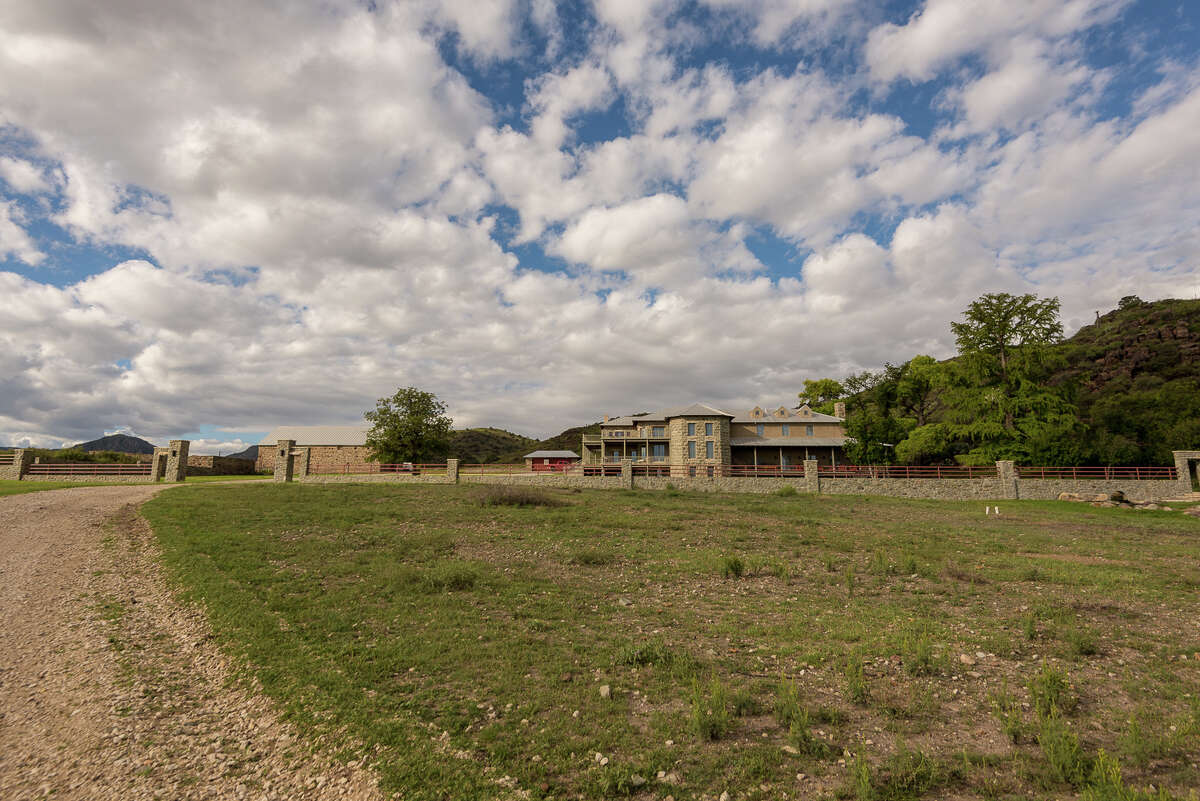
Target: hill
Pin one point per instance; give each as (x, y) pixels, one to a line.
(1137, 374)
(118, 443)
(487, 445)
(250, 453)
(568, 440)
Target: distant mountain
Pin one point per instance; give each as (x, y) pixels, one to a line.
(250, 453)
(487, 445)
(118, 443)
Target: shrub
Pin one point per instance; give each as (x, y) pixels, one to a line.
(802, 739)
(1029, 625)
(1081, 642)
(450, 577)
(657, 653)
(786, 492)
(860, 777)
(744, 704)
(1105, 784)
(506, 495)
(908, 774)
(733, 567)
(710, 710)
(917, 650)
(1051, 690)
(787, 703)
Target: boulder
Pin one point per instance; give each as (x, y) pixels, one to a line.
(1070, 496)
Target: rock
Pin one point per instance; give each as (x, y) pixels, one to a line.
(1070, 496)
(789, 749)
(724, 796)
(636, 780)
(1193, 512)
(1103, 504)
(966, 659)
(1100, 498)
(605, 691)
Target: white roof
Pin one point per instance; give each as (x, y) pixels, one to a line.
(319, 435)
(551, 455)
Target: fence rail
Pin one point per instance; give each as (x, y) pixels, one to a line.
(905, 471)
(1099, 473)
(88, 469)
(7, 459)
(508, 469)
(374, 468)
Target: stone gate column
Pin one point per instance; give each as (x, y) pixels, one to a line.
(627, 474)
(812, 480)
(1183, 470)
(283, 459)
(158, 463)
(300, 462)
(177, 456)
(21, 461)
(451, 471)
(1006, 471)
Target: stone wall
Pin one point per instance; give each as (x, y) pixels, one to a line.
(218, 466)
(678, 438)
(94, 479)
(328, 458)
(1048, 489)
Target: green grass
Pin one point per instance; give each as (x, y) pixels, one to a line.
(203, 479)
(10, 487)
(381, 617)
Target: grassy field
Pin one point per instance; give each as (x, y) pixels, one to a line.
(670, 644)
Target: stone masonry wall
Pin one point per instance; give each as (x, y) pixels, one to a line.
(218, 466)
(1048, 489)
(677, 432)
(321, 458)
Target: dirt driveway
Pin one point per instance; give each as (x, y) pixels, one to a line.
(109, 689)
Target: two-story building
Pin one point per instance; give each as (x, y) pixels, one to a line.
(705, 436)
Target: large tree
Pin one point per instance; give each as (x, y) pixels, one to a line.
(410, 426)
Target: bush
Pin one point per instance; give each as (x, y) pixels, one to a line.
(506, 495)
(658, 653)
(786, 492)
(787, 703)
(801, 737)
(856, 681)
(733, 567)
(1081, 642)
(1008, 712)
(450, 577)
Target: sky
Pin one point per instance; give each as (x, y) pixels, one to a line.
(220, 217)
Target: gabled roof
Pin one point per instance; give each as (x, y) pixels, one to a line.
(801, 414)
(782, 414)
(551, 455)
(319, 435)
(787, 442)
(698, 410)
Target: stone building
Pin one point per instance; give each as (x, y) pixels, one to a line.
(331, 448)
(702, 437)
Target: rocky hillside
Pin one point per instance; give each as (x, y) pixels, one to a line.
(568, 440)
(488, 445)
(1137, 374)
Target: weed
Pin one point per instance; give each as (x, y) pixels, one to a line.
(1008, 712)
(787, 703)
(787, 492)
(710, 717)
(860, 777)
(732, 567)
(450, 577)
(1081, 642)
(803, 740)
(830, 564)
(1051, 690)
(908, 565)
(856, 681)
(1029, 624)
(671, 491)
(908, 774)
(508, 495)
(743, 704)
(1105, 784)
(1031, 574)
(917, 652)
(1064, 756)
(593, 557)
(958, 573)
(849, 581)
(880, 565)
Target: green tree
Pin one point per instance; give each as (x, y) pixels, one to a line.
(918, 389)
(410, 426)
(822, 392)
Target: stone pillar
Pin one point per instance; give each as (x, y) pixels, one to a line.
(1183, 460)
(22, 459)
(283, 459)
(812, 480)
(1006, 471)
(451, 471)
(177, 456)
(158, 463)
(627, 473)
(300, 462)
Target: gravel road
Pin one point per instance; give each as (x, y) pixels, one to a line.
(110, 689)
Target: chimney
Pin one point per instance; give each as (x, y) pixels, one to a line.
(839, 409)
(606, 418)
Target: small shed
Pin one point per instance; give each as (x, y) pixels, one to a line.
(546, 461)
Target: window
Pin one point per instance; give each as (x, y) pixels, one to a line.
(658, 453)
(708, 449)
(708, 429)
(808, 431)
(710, 471)
(786, 429)
(760, 429)
(691, 429)
(691, 450)
(656, 431)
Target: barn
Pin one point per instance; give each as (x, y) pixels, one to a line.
(547, 461)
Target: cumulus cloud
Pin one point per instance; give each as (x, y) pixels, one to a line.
(324, 197)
